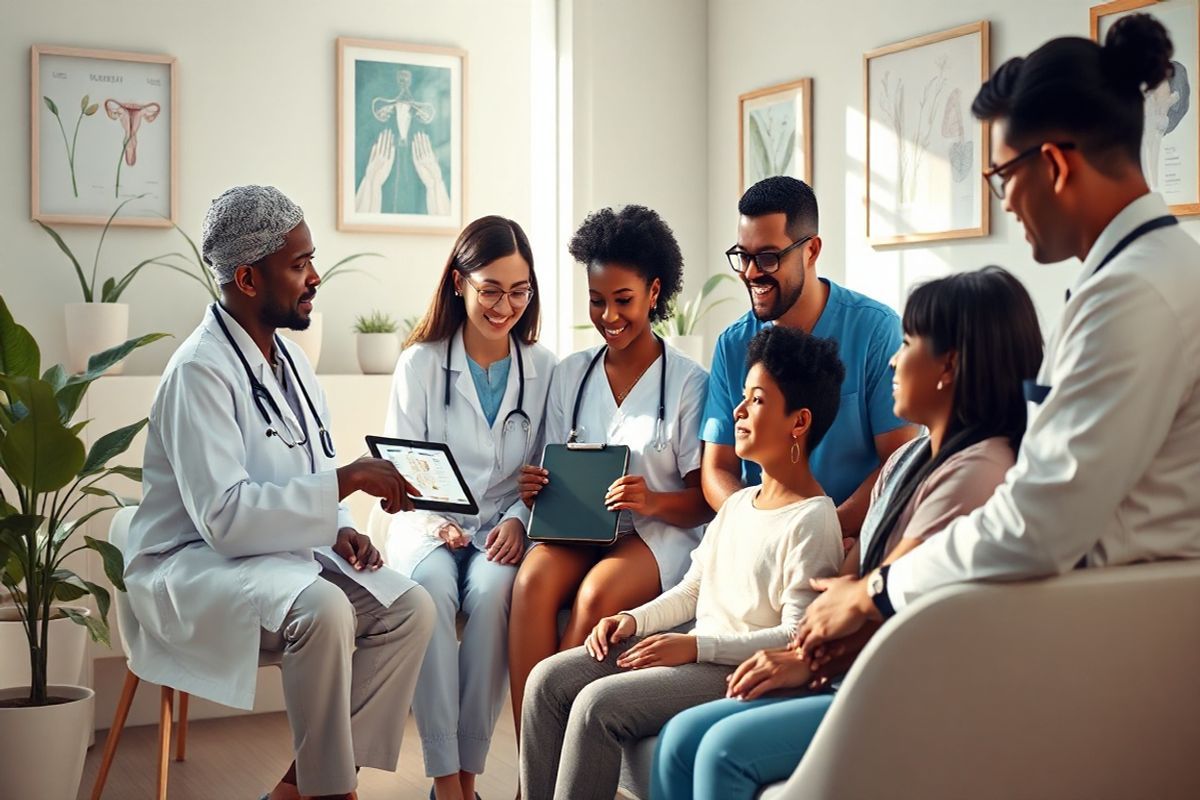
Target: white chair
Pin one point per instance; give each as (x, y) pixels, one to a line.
(118, 533)
(1080, 686)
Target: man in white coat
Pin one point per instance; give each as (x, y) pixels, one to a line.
(1108, 472)
(241, 542)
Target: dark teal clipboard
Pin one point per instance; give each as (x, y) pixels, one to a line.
(571, 507)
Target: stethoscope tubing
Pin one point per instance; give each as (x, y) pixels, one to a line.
(659, 443)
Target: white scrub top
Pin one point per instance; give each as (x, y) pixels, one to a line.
(488, 458)
(1109, 469)
(633, 424)
(232, 521)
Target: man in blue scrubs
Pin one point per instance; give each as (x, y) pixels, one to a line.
(776, 257)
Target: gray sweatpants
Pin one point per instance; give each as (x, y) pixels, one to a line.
(349, 668)
(579, 711)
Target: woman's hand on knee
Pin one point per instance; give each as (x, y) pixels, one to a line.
(506, 542)
(767, 671)
(661, 650)
(610, 630)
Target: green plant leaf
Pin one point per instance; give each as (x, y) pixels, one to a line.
(83, 103)
(107, 225)
(113, 293)
(102, 596)
(340, 268)
(83, 284)
(101, 362)
(69, 397)
(65, 590)
(114, 562)
(67, 528)
(92, 109)
(713, 282)
(758, 150)
(50, 105)
(106, 291)
(133, 473)
(110, 445)
(97, 627)
(100, 491)
(39, 452)
(56, 376)
(19, 354)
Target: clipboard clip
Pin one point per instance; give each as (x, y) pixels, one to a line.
(586, 445)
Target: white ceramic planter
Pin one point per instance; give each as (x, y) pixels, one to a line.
(68, 648)
(308, 339)
(377, 352)
(93, 328)
(691, 346)
(44, 747)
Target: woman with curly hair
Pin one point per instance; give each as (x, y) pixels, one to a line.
(634, 268)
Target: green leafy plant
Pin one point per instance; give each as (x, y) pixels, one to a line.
(340, 268)
(52, 473)
(86, 109)
(684, 318)
(375, 322)
(112, 289)
(408, 325)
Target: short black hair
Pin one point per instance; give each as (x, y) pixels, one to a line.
(635, 237)
(1075, 88)
(807, 370)
(783, 195)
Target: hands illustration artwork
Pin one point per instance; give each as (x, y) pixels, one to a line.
(369, 195)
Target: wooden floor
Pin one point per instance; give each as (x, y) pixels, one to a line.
(241, 758)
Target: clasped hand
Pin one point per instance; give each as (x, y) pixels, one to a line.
(658, 650)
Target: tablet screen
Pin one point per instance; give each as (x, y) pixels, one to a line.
(428, 470)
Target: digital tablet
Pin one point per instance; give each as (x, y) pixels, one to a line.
(571, 507)
(431, 469)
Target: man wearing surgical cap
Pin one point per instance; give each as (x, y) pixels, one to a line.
(241, 547)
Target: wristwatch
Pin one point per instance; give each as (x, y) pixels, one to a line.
(877, 591)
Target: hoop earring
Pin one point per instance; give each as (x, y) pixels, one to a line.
(795, 451)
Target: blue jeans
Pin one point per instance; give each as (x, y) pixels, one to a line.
(730, 749)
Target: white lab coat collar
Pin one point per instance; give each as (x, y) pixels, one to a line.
(1143, 209)
(258, 364)
(465, 384)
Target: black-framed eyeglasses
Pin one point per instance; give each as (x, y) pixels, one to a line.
(768, 262)
(997, 176)
(490, 296)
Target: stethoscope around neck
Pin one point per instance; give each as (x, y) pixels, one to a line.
(513, 419)
(660, 442)
(263, 399)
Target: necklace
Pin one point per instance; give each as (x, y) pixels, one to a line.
(622, 395)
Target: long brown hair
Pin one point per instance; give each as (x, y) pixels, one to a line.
(480, 243)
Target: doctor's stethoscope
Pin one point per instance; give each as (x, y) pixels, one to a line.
(260, 395)
(513, 419)
(660, 444)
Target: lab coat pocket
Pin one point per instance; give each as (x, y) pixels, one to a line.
(167, 626)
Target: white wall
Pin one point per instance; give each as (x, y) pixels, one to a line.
(757, 43)
(257, 100)
(640, 105)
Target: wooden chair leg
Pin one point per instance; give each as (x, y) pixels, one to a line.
(181, 731)
(164, 739)
(114, 733)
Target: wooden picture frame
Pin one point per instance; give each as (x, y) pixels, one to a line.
(922, 188)
(1172, 132)
(401, 155)
(122, 143)
(770, 120)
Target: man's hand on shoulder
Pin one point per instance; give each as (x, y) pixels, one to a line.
(357, 549)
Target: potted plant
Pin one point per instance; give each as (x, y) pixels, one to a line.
(679, 329)
(101, 321)
(377, 344)
(45, 727)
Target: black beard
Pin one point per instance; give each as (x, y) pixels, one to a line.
(782, 303)
(281, 316)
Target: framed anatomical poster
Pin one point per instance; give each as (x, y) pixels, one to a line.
(401, 125)
(103, 130)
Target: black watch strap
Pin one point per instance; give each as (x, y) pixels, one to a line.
(880, 598)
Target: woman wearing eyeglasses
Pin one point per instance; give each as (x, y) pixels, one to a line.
(472, 376)
(632, 390)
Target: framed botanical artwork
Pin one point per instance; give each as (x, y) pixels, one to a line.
(775, 132)
(401, 112)
(925, 153)
(1171, 137)
(104, 129)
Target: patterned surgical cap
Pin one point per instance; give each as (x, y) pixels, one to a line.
(243, 225)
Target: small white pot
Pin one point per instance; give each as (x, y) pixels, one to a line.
(308, 339)
(44, 746)
(691, 346)
(68, 649)
(377, 352)
(93, 328)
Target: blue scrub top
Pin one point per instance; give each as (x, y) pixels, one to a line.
(868, 334)
(490, 384)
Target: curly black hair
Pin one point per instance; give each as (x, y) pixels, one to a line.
(807, 370)
(781, 194)
(635, 237)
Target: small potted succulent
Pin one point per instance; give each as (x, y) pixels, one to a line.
(377, 342)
